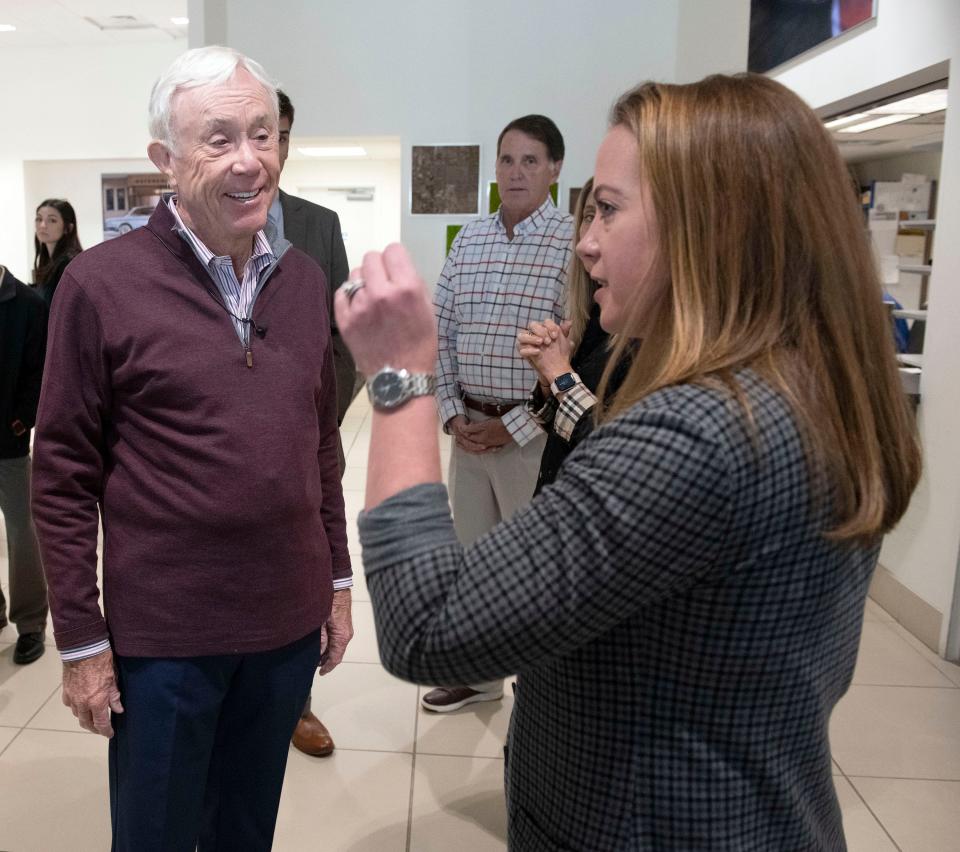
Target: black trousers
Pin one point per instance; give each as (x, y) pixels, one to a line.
(198, 757)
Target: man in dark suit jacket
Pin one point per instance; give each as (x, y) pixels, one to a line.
(315, 230)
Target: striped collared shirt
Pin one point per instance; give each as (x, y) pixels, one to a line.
(237, 295)
(491, 288)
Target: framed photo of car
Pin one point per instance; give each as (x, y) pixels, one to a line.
(129, 200)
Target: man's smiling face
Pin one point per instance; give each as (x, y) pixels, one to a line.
(225, 163)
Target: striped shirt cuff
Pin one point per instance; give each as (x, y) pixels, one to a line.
(576, 402)
(343, 583)
(521, 425)
(448, 409)
(71, 655)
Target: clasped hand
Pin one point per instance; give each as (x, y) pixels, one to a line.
(547, 348)
(484, 436)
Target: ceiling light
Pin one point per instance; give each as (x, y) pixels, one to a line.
(334, 151)
(180, 22)
(7, 28)
(845, 119)
(922, 104)
(874, 123)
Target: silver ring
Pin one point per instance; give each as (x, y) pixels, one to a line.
(350, 287)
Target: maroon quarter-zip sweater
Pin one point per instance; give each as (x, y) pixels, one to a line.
(217, 482)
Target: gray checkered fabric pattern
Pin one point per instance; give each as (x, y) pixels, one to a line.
(681, 628)
(491, 288)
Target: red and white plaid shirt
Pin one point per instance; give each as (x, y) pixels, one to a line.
(491, 288)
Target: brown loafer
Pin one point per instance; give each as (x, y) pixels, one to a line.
(312, 737)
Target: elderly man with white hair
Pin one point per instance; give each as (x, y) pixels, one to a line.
(190, 401)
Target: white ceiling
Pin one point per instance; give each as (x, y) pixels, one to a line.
(64, 22)
(377, 147)
(71, 22)
(923, 133)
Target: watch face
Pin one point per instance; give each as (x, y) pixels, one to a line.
(565, 382)
(388, 388)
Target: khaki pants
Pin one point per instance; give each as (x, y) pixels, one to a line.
(28, 589)
(487, 489)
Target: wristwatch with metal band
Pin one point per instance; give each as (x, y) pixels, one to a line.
(390, 388)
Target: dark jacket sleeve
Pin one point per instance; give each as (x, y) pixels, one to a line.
(332, 509)
(339, 266)
(27, 394)
(344, 365)
(68, 466)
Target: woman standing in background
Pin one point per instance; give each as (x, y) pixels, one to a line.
(570, 361)
(56, 243)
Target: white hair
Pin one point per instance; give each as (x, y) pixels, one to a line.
(202, 66)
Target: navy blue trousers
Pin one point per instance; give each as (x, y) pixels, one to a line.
(197, 758)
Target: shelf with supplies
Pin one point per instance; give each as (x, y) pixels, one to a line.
(901, 219)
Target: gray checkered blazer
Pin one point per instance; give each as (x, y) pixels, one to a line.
(681, 628)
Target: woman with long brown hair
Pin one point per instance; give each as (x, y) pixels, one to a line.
(55, 244)
(684, 603)
(571, 358)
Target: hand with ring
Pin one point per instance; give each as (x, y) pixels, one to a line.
(351, 286)
(391, 323)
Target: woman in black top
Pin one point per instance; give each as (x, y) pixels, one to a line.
(56, 243)
(567, 415)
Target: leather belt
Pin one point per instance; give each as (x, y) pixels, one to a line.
(491, 409)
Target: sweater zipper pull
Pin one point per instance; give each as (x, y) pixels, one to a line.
(250, 358)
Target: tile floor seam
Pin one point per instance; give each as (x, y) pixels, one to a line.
(13, 739)
(413, 768)
(903, 778)
(338, 748)
(917, 651)
(870, 811)
(42, 705)
(457, 754)
(919, 647)
(78, 730)
(953, 687)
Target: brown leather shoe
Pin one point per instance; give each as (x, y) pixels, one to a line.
(312, 737)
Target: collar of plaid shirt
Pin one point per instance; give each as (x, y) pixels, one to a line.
(535, 220)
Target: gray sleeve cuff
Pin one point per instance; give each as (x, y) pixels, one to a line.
(407, 525)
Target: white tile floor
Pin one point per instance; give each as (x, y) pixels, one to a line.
(404, 779)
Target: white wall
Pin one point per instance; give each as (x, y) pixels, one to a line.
(62, 103)
(79, 181)
(893, 168)
(909, 37)
(457, 72)
(303, 177)
(712, 38)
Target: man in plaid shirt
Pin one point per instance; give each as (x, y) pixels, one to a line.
(503, 271)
